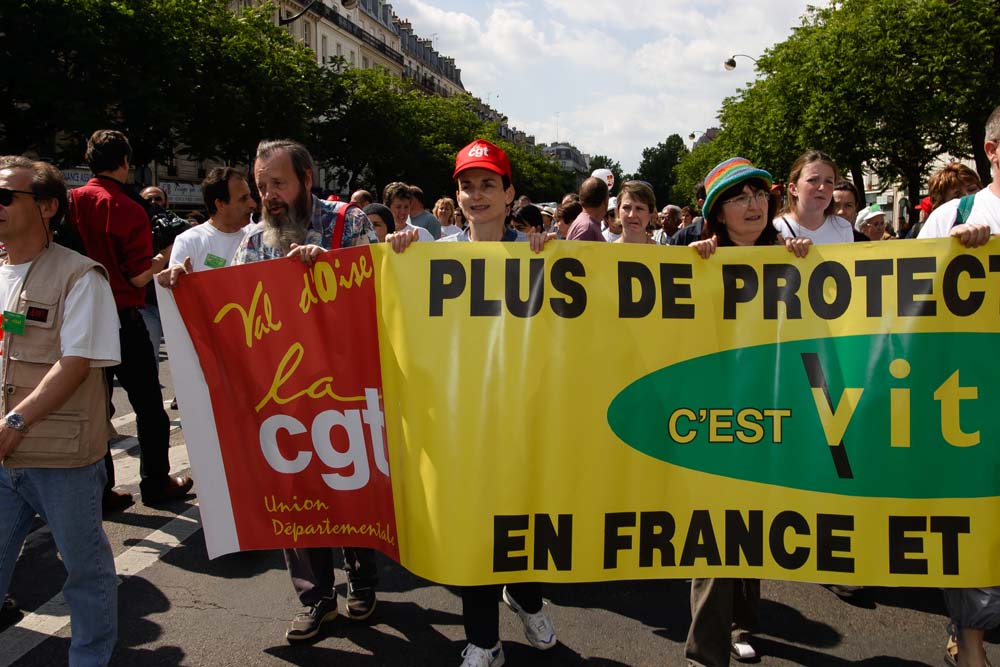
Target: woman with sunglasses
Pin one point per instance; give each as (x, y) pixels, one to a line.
(738, 212)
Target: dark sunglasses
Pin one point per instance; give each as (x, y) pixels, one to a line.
(7, 195)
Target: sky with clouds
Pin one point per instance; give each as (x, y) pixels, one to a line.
(611, 78)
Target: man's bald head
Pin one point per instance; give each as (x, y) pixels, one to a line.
(362, 198)
(154, 195)
(594, 193)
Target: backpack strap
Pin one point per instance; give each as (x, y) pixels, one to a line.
(338, 228)
(964, 209)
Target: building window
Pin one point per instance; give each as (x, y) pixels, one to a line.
(306, 34)
(323, 49)
(364, 62)
(353, 61)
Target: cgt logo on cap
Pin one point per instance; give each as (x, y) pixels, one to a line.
(479, 150)
(483, 155)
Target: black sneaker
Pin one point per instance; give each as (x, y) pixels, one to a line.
(308, 622)
(10, 613)
(360, 602)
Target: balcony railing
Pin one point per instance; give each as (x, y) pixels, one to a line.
(350, 27)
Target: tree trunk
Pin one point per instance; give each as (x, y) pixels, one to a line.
(858, 176)
(913, 183)
(977, 137)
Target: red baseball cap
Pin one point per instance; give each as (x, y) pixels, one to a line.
(484, 155)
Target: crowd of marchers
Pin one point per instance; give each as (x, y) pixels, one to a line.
(79, 312)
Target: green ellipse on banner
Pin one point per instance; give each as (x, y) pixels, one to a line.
(893, 415)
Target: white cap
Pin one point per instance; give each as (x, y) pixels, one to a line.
(866, 214)
(612, 203)
(605, 175)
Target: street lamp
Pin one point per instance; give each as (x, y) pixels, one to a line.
(694, 135)
(730, 64)
(347, 4)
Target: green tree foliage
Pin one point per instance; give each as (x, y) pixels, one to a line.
(172, 74)
(888, 85)
(536, 174)
(695, 165)
(193, 77)
(657, 168)
(254, 82)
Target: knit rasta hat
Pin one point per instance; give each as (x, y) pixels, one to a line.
(726, 174)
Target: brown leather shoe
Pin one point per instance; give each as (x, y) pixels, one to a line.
(115, 501)
(174, 488)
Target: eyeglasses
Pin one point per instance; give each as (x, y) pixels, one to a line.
(743, 201)
(7, 195)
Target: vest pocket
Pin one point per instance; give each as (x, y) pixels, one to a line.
(58, 435)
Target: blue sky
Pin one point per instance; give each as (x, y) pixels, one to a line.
(612, 78)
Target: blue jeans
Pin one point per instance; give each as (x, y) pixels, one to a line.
(69, 500)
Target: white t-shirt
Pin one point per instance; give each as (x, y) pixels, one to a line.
(90, 319)
(449, 230)
(610, 236)
(985, 210)
(207, 246)
(833, 230)
(422, 234)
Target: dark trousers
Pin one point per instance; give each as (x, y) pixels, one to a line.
(139, 377)
(481, 613)
(311, 571)
(723, 611)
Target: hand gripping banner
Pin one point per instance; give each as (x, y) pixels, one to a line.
(484, 414)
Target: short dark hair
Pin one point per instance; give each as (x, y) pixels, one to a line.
(302, 162)
(530, 215)
(417, 193)
(847, 186)
(395, 190)
(567, 213)
(699, 191)
(107, 150)
(382, 211)
(216, 186)
(593, 192)
(46, 182)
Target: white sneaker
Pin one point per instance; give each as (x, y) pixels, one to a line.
(743, 651)
(476, 656)
(538, 628)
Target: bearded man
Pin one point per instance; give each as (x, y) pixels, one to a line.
(294, 221)
(297, 223)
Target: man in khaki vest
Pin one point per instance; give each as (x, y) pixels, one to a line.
(60, 329)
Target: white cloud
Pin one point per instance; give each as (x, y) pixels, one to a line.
(619, 78)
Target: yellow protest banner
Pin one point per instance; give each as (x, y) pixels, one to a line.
(485, 414)
(602, 411)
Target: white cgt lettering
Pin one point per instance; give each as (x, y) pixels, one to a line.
(355, 458)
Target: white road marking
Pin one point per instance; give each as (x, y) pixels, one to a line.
(17, 640)
(52, 616)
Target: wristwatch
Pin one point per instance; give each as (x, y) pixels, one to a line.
(15, 421)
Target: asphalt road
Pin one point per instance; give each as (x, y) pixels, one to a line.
(179, 608)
